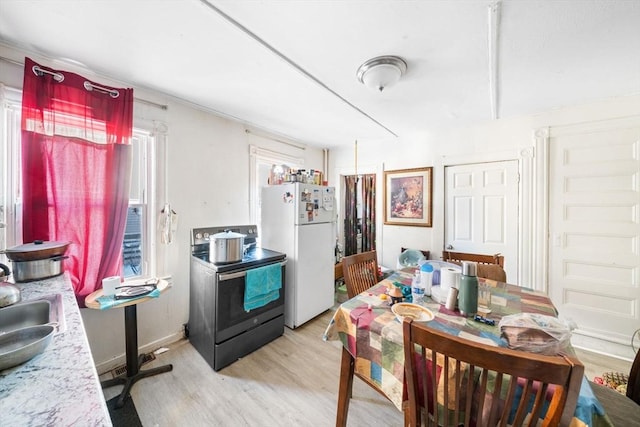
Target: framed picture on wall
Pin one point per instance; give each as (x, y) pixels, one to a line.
(408, 197)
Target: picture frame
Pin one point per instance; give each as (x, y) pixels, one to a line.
(408, 197)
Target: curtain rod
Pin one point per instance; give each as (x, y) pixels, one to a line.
(59, 77)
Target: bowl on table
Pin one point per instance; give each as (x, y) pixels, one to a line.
(414, 311)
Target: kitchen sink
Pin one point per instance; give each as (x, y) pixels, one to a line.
(41, 311)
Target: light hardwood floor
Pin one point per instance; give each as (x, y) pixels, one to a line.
(292, 381)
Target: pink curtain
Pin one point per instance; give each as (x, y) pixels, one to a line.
(76, 170)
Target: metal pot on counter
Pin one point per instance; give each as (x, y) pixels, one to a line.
(37, 260)
(226, 247)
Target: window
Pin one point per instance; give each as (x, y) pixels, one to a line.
(136, 244)
(139, 240)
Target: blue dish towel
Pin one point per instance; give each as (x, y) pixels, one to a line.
(262, 286)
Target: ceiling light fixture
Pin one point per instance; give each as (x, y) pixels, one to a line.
(382, 72)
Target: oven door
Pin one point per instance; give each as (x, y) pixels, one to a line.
(231, 317)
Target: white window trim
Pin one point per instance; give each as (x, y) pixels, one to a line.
(257, 156)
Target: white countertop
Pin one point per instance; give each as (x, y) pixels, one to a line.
(59, 387)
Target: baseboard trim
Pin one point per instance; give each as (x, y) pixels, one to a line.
(106, 366)
(601, 346)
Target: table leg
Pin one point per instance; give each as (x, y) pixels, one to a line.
(347, 366)
(133, 361)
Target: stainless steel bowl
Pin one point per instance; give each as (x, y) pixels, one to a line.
(23, 344)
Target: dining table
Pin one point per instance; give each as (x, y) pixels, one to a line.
(372, 339)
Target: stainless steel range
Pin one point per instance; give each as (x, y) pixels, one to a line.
(219, 326)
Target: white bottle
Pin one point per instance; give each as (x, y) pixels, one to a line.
(417, 290)
(426, 278)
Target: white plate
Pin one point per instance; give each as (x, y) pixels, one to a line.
(417, 312)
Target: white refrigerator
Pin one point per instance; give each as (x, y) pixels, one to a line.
(299, 220)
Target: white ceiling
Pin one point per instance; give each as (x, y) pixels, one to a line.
(290, 66)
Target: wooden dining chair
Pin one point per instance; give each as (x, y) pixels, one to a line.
(492, 271)
(360, 272)
(458, 257)
(633, 385)
(507, 387)
(489, 266)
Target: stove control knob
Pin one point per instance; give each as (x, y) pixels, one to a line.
(198, 236)
(206, 236)
(250, 231)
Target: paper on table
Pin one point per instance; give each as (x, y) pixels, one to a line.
(108, 301)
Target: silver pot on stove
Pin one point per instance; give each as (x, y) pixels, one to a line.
(226, 247)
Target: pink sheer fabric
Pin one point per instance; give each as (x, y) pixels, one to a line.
(76, 170)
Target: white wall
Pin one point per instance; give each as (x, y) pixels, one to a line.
(495, 140)
(208, 172)
(208, 160)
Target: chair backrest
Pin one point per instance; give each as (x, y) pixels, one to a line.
(360, 272)
(633, 385)
(492, 271)
(458, 257)
(425, 253)
(523, 378)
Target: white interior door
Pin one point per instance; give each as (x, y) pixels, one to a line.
(481, 211)
(594, 224)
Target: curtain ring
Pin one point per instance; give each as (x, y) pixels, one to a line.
(112, 92)
(59, 77)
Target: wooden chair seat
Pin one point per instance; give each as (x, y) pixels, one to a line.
(495, 370)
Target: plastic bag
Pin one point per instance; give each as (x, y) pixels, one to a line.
(535, 333)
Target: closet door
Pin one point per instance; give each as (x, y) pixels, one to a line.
(594, 229)
(481, 212)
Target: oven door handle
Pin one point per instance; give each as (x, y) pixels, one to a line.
(229, 276)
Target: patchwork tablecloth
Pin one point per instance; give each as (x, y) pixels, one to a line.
(370, 332)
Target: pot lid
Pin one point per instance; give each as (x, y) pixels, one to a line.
(226, 235)
(37, 245)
